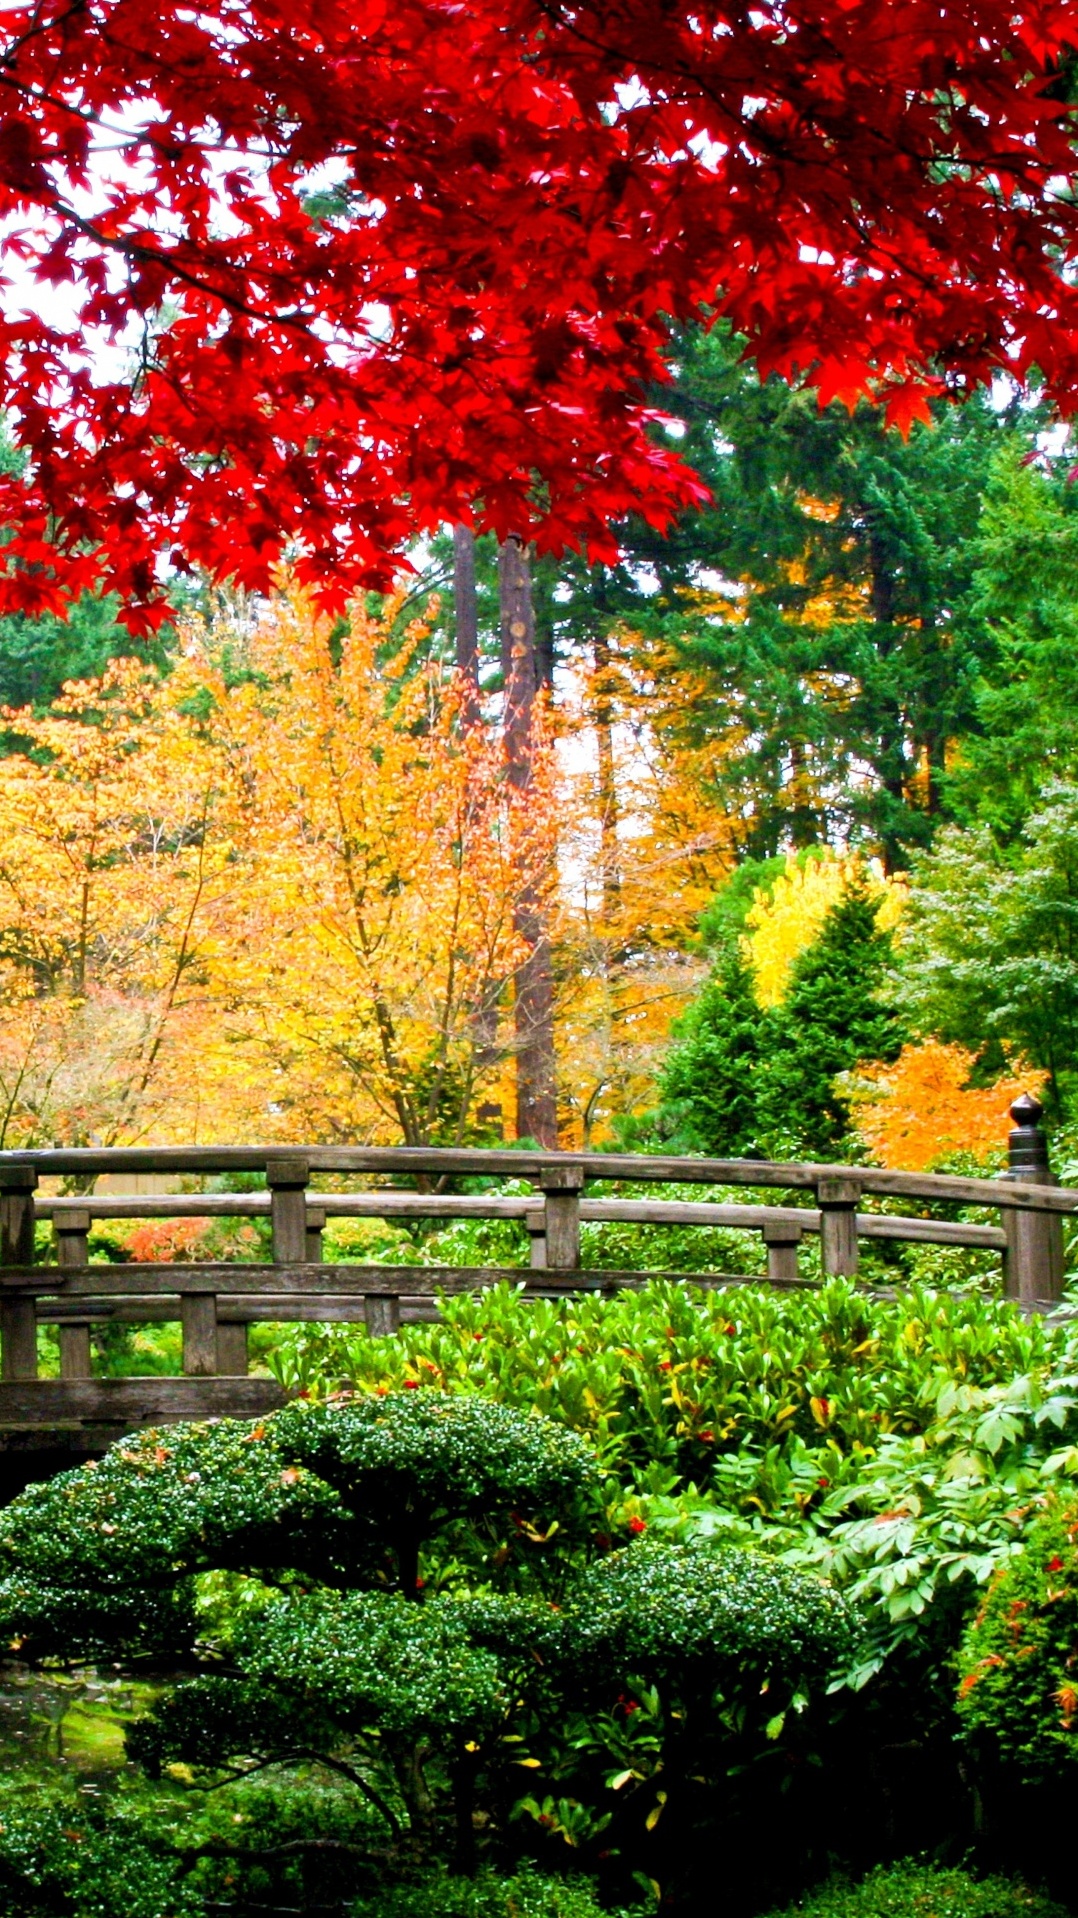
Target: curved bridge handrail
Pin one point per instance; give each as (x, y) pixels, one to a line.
(480, 1162)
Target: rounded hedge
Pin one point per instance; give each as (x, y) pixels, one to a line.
(100, 1559)
(656, 1609)
(436, 1451)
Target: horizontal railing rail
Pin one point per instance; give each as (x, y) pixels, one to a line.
(216, 1301)
(441, 1162)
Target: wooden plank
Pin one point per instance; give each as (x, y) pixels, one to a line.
(149, 1280)
(246, 1205)
(408, 1205)
(879, 1225)
(166, 1205)
(108, 1291)
(135, 1401)
(312, 1280)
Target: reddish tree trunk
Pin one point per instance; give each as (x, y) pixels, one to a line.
(467, 615)
(537, 1113)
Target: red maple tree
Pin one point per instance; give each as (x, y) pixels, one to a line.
(339, 270)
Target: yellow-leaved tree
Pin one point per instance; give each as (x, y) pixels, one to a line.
(271, 892)
(385, 854)
(116, 884)
(786, 916)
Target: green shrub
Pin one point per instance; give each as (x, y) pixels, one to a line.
(61, 1853)
(526, 1895)
(706, 1621)
(924, 1891)
(1019, 1660)
(681, 1379)
(293, 1544)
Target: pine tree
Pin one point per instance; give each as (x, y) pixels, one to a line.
(710, 1078)
(836, 1011)
(745, 1078)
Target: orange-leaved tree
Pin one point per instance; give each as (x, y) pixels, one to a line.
(385, 857)
(116, 880)
(645, 845)
(922, 1108)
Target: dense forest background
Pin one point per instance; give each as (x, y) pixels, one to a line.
(761, 840)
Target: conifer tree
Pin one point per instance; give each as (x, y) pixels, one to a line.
(743, 1077)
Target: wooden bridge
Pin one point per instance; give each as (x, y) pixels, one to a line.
(215, 1303)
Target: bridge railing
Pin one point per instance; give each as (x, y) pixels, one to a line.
(216, 1302)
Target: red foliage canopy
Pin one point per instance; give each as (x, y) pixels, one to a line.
(199, 358)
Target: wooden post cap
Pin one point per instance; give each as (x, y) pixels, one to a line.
(292, 1169)
(561, 1178)
(781, 1232)
(838, 1191)
(18, 1178)
(76, 1221)
(1027, 1147)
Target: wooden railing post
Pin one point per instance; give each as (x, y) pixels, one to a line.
(1033, 1264)
(198, 1322)
(535, 1226)
(18, 1316)
(383, 1314)
(561, 1187)
(783, 1242)
(838, 1199)
(232, 1354)
(316, 1225)
(288, 1179)
(70, 1232)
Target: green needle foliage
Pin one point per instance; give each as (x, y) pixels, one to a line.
(743, 1077)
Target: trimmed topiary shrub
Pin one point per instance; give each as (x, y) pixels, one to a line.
(405, 1592)
(1018, 1688)
(924, 1891)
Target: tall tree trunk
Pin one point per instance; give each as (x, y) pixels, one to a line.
(484, 1019)
(602, 718)
(537, 1114)
(467, 615)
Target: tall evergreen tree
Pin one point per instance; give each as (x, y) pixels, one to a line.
(1025, 594)
(742, 1077)
(826, 591)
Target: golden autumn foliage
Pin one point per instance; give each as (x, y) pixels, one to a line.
(922, 1108)
(644, 847)
(385, 854)
(276, 899)
(116, 881)
(786, 916)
